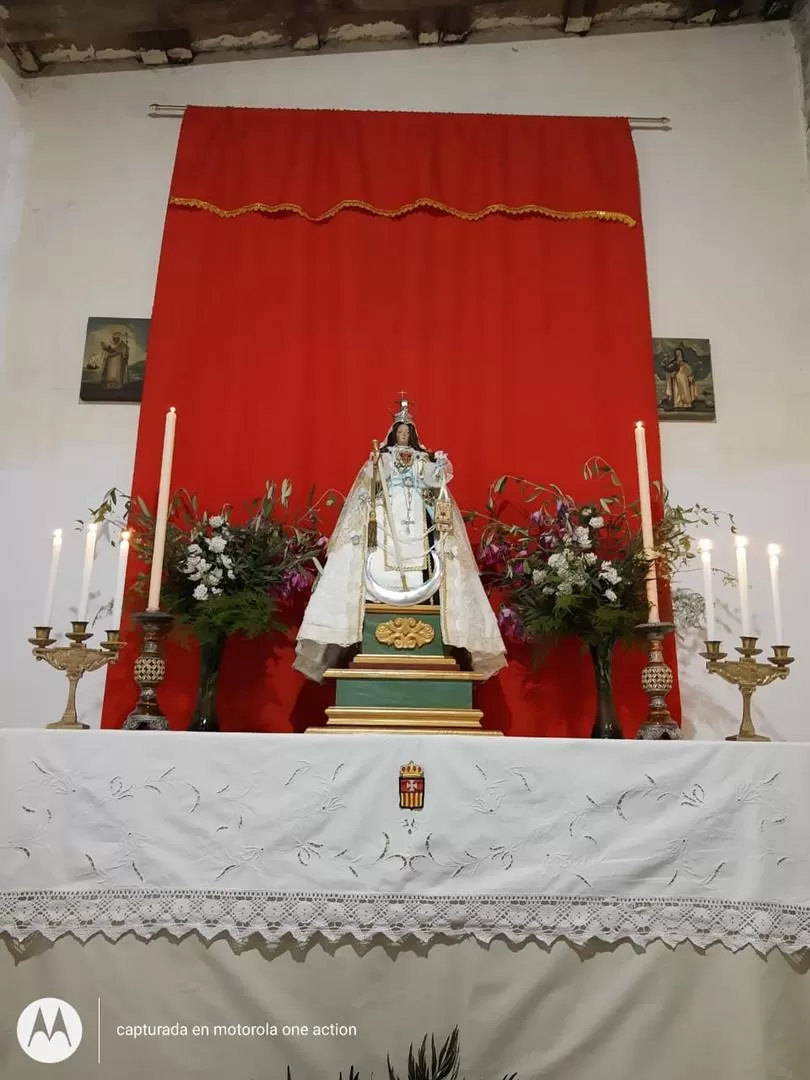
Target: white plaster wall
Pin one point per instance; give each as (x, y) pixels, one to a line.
(727, 220)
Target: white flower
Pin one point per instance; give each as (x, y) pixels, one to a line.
(194, 549)
(597, 523)
(217, 544)
(548, 591)
(609, 573)
(589, 557)
(215, 576)
(231, 575)
(226, 561)
(201, 592)
(556, 560)
(215, 591)
(582, 537)
(564, 588)
(538, 576)
(610, 595)
(217, 521)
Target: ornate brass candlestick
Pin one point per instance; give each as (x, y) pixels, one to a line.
(150, 671)
(656, 681)
(747, 674)
(74, 659)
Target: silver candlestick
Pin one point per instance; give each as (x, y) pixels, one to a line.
(657, 681)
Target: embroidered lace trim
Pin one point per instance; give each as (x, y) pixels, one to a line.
(273, 916)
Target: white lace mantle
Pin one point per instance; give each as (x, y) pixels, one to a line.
(116, 832)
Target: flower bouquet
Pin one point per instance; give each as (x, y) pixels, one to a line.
(222, 575)
(562, 568)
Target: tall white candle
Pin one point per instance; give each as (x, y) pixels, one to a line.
(162, 515)
(646, 518)
(742, 580)
(708, 591)
(773, 558)
(56, 553)
(118, 598)
(87, 570)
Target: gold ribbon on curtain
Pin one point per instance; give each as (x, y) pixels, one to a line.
(401, 211)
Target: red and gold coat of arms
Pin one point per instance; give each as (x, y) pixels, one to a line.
(411, 786)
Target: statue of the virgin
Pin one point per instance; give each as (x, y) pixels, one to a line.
(400, 540)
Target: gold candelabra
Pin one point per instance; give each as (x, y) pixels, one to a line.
(747, 674)
(74, 659)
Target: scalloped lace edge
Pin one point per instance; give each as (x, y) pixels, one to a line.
(242, 915)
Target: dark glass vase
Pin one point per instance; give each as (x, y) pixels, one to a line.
(205, 712)
(606, 725)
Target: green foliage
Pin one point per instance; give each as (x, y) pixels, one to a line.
(222, 576)
(561, 568)
(440, 1063)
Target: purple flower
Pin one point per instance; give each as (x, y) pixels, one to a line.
(492, 553)
(294, 581)
(510, 623)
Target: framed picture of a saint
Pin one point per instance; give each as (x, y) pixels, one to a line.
(114, 360)
(683, 379)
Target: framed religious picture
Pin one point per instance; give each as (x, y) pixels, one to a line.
(683, 379)
(114, 359)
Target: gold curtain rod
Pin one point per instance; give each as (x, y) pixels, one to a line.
(639, 123)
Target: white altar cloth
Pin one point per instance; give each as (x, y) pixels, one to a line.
(116, 832)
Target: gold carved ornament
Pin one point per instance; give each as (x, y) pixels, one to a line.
(528, 210)
(404, 633)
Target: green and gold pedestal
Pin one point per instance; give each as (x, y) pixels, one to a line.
(402, 680)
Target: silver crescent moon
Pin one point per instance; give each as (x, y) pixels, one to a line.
(404, 597)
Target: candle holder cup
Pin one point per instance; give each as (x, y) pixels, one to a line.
(74, 659)
(747, 674)
(149, 672)
(657, 681)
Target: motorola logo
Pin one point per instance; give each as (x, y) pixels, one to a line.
(49, 1030)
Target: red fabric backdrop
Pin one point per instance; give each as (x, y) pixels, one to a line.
(523, 340)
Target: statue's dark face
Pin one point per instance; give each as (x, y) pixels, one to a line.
(403, 435)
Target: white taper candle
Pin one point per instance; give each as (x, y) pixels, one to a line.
(118, 597)
(708, 591)
(56, 552)
(774, 552)
(741, 543)
(646, 518)
(162, 514)
(87, 570)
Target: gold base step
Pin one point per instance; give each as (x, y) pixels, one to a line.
(402, 673)
(350, 720)
(411, 609)
(416, 662)
(346, 730)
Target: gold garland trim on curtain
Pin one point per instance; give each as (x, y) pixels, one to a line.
(400, 211)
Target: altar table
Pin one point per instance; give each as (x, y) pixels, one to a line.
(576, 908)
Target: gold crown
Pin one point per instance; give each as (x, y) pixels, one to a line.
(411, 770)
